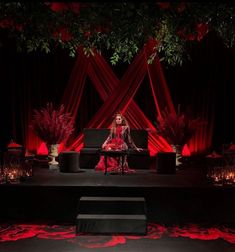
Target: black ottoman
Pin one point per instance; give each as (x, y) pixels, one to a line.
(69, 161)
(166, 162)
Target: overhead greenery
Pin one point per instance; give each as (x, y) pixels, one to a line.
(121, 28)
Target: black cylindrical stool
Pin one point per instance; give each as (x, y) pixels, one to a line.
(166, 162)
(69, 161)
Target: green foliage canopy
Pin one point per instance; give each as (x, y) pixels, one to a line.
(122, 28)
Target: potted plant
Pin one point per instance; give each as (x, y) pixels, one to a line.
(52, 126)
(177, 129)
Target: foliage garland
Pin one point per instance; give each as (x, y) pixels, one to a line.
(123, 28)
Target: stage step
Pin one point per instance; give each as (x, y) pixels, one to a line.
(112, 205)
(111, 224)
(106, 215)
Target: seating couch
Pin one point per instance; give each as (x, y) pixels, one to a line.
(94, 138)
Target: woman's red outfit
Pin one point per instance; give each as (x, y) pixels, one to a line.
(119, 140)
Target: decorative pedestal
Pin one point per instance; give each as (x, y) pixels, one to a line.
(53, 167)
(52, 154)
(178, 152)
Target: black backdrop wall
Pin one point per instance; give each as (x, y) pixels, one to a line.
(34, 79)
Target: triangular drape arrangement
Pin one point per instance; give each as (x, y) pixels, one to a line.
(118, 94)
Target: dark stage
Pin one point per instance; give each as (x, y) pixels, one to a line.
(184, 211)
(186, 196)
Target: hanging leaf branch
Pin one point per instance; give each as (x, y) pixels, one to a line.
(122, 28)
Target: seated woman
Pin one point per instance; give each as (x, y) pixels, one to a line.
(118, 139)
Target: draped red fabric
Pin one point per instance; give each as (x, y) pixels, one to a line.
(135, 116)
(74, 90)
(158, 83)
(71, 99)
(201, 141)
(203, 137)
(118, 95)
(118, 100)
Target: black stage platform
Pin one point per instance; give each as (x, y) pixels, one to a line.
(183, 197)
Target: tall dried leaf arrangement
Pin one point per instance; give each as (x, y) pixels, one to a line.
(177, 128)
(52, 126)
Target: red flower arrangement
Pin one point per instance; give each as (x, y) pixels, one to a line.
(53, 126)
(177, 128)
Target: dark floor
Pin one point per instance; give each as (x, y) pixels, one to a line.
(185, 212)
(188, 177)
(49, 238)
